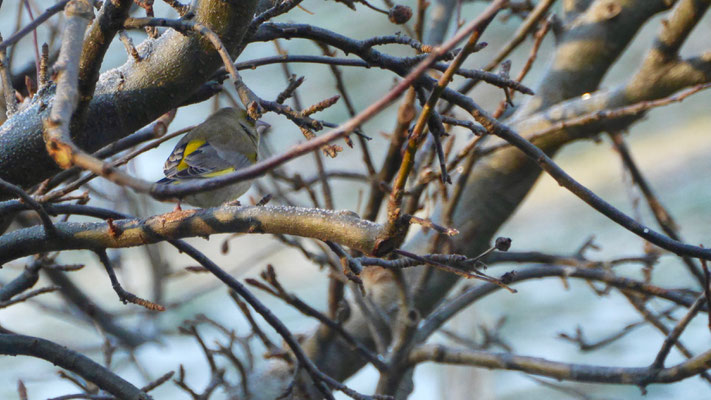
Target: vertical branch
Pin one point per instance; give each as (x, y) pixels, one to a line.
(441, 11)
(528, 25)
(341, 86)
(707, 290)
(417, 136)
(8, 91)
(44, 67)
(34, 39)
(461, 182)
(56, 126)
(405, 115)
(106, 25)
(325, 184)
(422, 6)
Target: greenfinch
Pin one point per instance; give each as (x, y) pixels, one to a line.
(226, 141)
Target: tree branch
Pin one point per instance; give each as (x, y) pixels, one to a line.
(562, 371)
(14, 345)
(126, 98)
(341, 227)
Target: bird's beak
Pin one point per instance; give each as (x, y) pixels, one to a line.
(261, 127)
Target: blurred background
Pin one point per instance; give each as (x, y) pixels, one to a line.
(671, 146)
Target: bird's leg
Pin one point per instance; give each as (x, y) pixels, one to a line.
(264, 200)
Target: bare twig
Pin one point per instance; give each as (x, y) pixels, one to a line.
(558, 370)
(270, 276)
(673, 336)
(8, 90)
(34, 204)
(664, 219)
(123, 295)
(164, 191)
(34, 24)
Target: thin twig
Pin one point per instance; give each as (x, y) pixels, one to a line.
(661, 215)
(280, 292)
(416, 137)
(460, 272)
(673, 336)
(8, 90)
(124, 296)
(181, 190)
(565, 180)
(33, 25)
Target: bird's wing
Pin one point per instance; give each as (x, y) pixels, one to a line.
(185, 146)
(198, 159)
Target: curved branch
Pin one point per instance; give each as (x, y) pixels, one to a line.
(56, 126)
(372, 57)
(341, 227)
(588, 48)
(678, 26)
(556, 172)
(14, 345)
(127, 98)
(98, 38)
(562, 371)
(24, 281)
(163, 192)
(452, 307)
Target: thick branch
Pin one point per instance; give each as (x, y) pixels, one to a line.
(341, 227)
(101, 32)
(61, 356)
(589, 48)
(498, 185)
(127, 97)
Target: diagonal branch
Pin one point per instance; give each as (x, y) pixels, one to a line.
(14, 345)
(126, 98)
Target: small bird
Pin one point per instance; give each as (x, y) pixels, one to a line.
(226, 141)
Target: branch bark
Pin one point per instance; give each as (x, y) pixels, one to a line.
(344, 228)
(14, 345)
(563, 371)
(500, 183)
(127, 98)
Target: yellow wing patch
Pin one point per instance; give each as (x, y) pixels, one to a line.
(189, 148)
(220, 172)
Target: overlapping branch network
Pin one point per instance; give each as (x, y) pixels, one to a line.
(391, 314)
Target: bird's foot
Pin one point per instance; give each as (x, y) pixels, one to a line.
(264, 200)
